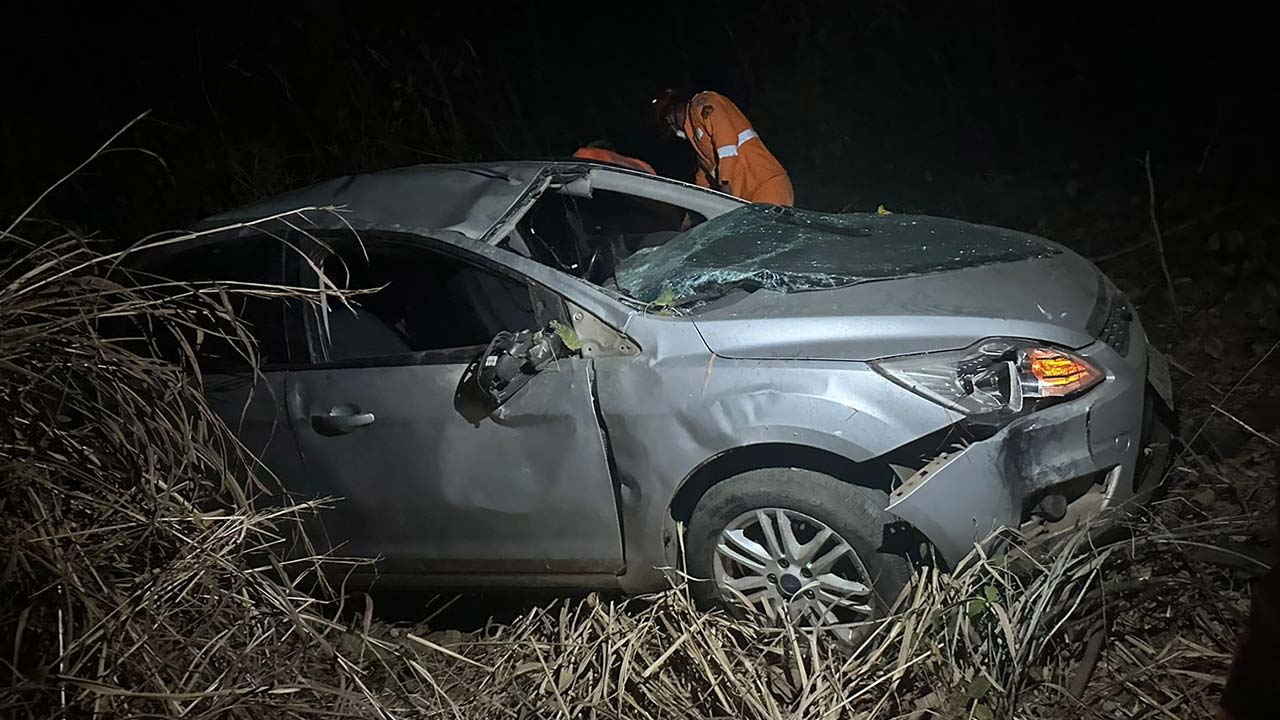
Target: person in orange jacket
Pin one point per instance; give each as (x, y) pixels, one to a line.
(602, 151)
(731, 156)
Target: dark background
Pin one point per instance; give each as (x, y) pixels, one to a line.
(948, 107)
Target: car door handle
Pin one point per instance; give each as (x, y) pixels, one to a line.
(341, 420)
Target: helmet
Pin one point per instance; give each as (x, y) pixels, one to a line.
(664, 102)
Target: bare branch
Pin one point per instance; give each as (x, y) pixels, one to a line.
(1159, 241)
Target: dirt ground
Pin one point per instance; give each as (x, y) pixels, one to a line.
(1169, 644)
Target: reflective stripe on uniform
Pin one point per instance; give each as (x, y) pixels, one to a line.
(725, 151)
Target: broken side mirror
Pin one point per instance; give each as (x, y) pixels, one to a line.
(508, 363)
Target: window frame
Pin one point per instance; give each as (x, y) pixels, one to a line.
(574, 207)
(155, 269)
(547, 304)
(638, 203)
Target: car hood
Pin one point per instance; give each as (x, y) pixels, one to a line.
(1055, 297)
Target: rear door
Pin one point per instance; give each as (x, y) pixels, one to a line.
(251, 401)
(425, 484)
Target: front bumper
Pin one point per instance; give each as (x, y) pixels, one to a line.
(1086, 448)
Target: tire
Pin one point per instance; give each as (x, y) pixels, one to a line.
(855, 514)
(1159, 439)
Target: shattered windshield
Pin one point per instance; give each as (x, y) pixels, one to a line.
(788, 250)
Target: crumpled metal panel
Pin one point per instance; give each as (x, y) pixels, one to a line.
(982, 487)
(423, 199)
(676, 406)
(789, 250)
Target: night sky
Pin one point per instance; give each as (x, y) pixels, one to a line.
(863, 102)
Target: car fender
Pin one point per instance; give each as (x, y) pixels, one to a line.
(668, 414)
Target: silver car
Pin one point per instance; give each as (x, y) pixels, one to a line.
(572, 373)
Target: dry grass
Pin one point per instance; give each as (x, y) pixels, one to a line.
(128, 515)
(1000, 637)
(956, 642)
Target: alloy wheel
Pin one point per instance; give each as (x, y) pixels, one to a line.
(791, 566)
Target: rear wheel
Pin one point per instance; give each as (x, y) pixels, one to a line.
(795, 545)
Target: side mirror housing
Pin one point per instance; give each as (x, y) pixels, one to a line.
(512, 359)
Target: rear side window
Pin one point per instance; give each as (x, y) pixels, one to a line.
(423, 305)
(250, 260)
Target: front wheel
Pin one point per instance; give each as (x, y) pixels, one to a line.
(798, 545)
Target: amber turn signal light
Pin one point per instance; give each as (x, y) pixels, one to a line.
(1060, 373)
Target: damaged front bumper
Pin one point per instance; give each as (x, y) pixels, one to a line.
(1054, 468)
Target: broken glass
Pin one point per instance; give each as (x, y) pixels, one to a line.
(788, 250)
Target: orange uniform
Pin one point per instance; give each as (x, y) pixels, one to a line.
(613, 158)
(731, 156)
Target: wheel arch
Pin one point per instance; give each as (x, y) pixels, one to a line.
(875, 474)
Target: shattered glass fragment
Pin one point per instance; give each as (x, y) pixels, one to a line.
(787, 250)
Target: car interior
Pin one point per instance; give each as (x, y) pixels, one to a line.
(427, 301)
(588, 237)
(243, 260)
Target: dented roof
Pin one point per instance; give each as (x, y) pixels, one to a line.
(422, 199)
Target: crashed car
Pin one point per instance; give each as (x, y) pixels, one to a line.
(577, 376)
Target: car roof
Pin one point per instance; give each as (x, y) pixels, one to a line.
(466, 198)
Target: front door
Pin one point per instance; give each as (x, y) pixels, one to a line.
(423, 485)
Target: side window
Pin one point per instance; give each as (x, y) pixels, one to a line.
(607, 211)
(257, 260)
(420, 302)
(587, 237)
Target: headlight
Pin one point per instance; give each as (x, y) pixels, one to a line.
(994, 379)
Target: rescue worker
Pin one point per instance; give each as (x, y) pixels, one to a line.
(602, 151)
(731, 156)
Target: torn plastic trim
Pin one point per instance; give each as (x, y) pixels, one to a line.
(1087, 506)
(507, 223)
(962, 496)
